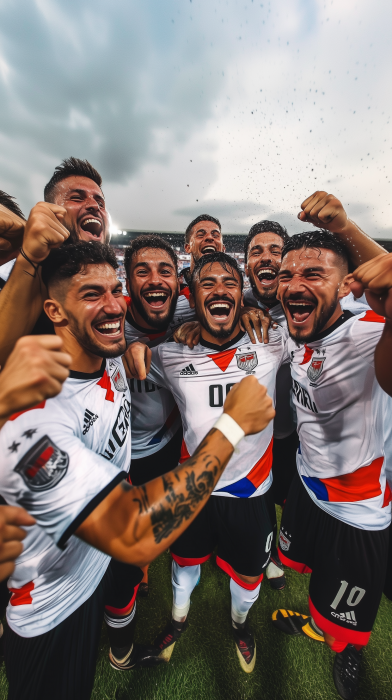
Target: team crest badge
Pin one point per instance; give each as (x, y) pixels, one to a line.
(284, 542)
(247, 361)
(117, 378)
(315, 368)
(43, 466)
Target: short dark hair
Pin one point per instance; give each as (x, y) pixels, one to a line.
(10, 203)
(65, 262)
(316, 239)
(202, 217)
(67, 168)
(264, 227)
(226, 261)
(147, 241)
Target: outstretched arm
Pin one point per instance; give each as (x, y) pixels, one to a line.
(326, 211)
(21, 300)
(137, 523)
(375, 279)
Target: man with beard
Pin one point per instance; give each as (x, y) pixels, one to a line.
(74, 209)
(203, 236)
(238, 518)
(65, 461)
(337, 514)
(12, 224)
(155, 310)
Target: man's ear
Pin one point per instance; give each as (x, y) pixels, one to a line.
(191, 301)
(345, 286)
(187, 248)
(223, 247)
(55, 312)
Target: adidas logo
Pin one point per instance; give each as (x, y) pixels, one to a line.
(346, 617)
(89, 420)
(188, 371)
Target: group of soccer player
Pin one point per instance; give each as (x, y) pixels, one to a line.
(178, 416)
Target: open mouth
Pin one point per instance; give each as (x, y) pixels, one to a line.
(220, 310)
(92, 226)
(300, 310)
(112, 329)
(266, 275)
(156, 299)
(208, 249)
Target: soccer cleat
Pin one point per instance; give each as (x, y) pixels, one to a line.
(126, 663)
(163, 646)
(346, 672)
(245, 647)
(295, 624)
(275, 575)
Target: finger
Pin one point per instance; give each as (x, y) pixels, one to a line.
(13, 533)
(6, 570)
(356, 288)
(48, 342)
(16, 515)
(266, 324)
(311, 202)
(308, 199)
(10, 551)
(246, 326)
(255, 319)
(147, 359)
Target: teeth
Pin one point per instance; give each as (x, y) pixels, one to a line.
(299, 303)
(155, 294)
(92, 221)
(107, 326)
(219, 306)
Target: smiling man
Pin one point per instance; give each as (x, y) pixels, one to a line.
(12, 223)
(238, 518)
(65, 461)
(338, 508)
(203, 236)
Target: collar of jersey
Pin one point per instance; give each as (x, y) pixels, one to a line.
(146, 331)
(226, 346)
(346, 315)
(89, 375)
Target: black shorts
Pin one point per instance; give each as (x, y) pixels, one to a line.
(388, 578)
(60, 664)
(150, 467)
(240, 528)
(347, 566)
(284, 466)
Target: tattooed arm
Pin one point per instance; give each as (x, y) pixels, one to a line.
(137, 523)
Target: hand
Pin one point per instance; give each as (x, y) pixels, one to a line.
(256, 319)
(11, 536)
(137, 361)
(188, 334)
(35, 371)
(323, 210)
(10, 223)
(44, 231)
(375, 279)
(249, 405)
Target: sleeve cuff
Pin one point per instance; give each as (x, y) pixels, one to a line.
(71, 529)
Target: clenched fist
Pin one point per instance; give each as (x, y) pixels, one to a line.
(44, 231)
(323, 210)
(249, 405)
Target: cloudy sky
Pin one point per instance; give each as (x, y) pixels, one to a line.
(238, 108)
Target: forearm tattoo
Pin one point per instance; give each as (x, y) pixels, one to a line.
(181, 504)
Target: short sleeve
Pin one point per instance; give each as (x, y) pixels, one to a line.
(53, 475)
(156, 375)
(366, 331)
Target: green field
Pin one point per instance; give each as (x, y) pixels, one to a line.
(204, 663)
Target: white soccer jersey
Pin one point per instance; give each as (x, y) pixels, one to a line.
(155, 416)
(340, 410)
(200, 380)
(5, 271)
(60, 460)
(285, 420)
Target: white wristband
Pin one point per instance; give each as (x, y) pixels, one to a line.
(230, 429)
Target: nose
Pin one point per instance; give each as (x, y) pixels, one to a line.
(92, 204)
(295, 285)
(114, 306)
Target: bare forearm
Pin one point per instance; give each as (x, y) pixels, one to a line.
(382, 359)
(139, 523)
(21, 303)
(358, 244)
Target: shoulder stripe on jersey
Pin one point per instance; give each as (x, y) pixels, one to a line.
(106, 384)
(307, 356)
(372, 317)
(20, 413)
(185, 292)
(223, 359)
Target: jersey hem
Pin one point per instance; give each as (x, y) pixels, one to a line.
(89, 509)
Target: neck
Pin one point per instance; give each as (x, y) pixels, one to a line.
(269, 303)
(7, 256)
(336, 314)
(209, 338)
(82, 360)
(138, 318)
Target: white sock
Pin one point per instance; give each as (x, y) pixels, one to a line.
(242, 601)
(184, 579)
(273, 571)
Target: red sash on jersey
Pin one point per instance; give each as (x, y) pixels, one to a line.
(360, 485)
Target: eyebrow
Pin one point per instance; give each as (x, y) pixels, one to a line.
(83, 192)
(163, 262)
(203, 230)
(272, 245)
(97, 287)
(307, 269)
(213, 279)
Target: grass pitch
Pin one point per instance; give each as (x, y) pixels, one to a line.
(204, 664)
